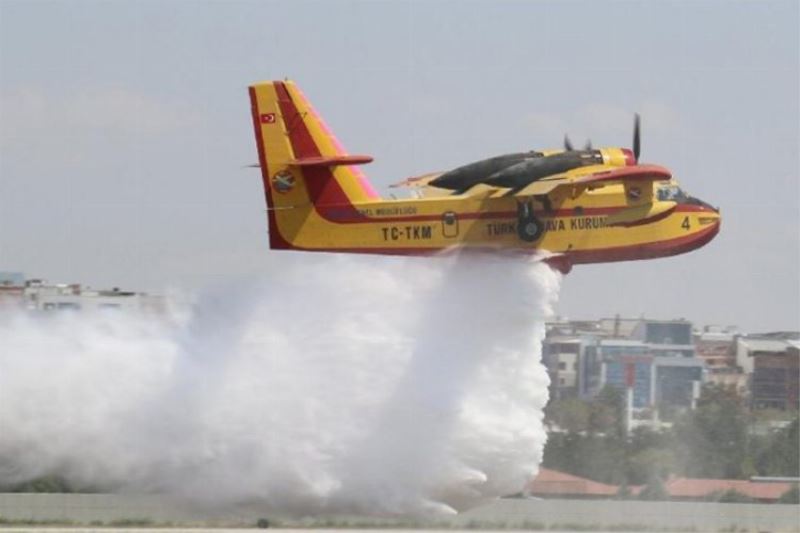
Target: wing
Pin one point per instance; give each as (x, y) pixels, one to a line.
(577, 180)
(637, 180)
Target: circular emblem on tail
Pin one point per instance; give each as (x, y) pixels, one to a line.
(283, 181)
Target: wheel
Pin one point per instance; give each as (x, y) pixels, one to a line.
(529, 228)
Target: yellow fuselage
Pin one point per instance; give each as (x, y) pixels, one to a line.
(576, 227)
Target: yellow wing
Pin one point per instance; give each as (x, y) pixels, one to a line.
(637, 180)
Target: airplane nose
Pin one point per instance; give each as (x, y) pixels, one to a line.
(691, 200)
(709, 215)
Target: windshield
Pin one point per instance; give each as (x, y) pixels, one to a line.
(670, 192)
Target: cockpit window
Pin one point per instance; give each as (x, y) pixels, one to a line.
(670, 193)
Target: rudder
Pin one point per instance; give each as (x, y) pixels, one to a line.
(302, 163)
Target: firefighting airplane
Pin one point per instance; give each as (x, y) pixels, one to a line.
(575, 206)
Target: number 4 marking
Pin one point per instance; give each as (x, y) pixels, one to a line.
(685, 223)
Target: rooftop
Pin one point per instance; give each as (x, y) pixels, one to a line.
(554, 483)
(699, 488)
(766, 345)
(679, 361)
(621, 342)
(775, 335)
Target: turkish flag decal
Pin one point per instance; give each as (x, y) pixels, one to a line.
(268, 118)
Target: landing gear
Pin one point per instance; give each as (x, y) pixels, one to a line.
(529, 228)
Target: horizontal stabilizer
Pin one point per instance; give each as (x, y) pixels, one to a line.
(417, 181)
(331, 161)
(641, 214)
(420, 186)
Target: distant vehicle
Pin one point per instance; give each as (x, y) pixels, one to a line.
(581, 206)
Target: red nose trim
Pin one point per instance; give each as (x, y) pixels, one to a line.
(629, 159)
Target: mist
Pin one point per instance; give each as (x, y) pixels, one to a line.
(331, 384)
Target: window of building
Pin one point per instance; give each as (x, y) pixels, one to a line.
(565, 347)
(669, 333)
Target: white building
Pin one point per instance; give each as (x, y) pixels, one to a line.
(42, 296)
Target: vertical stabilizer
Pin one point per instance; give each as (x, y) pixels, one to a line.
(303, 165)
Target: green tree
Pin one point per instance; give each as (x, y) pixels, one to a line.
(607, 412)
(654, 490)
(624, 492)
(43, 484)
(596, 457)
(779, 455)
(570, 414)
(790, 496)
(649, 463)
(649, 453)
(713, 439)
(731, 496)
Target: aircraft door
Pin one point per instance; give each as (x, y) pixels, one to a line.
(450, 224)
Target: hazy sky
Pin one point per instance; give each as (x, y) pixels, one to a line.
(124, 127)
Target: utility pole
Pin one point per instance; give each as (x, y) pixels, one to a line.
(630, 381)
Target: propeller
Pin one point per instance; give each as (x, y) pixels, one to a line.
(637, 141)
(569, 147)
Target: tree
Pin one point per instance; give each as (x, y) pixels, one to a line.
(649, 453)
(790, 496)
(607, 413)
(43, 484)
(596, 457)
(779, 456)
(713, 438)
(654, 490)
(570, 414)
(649, 463)
(731, 496)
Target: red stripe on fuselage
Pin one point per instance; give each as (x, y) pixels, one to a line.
(634, 252)
(644, 221)
(650, 250)
(340, 217)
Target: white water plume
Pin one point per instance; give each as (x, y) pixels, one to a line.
(334, 384)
